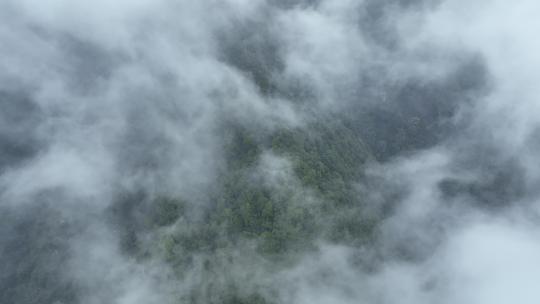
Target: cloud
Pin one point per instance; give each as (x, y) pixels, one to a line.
(102, 101)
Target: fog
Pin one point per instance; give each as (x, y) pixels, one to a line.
(107, 107)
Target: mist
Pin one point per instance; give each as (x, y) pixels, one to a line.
(269, 151)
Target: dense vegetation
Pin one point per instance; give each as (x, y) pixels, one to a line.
(272, 222)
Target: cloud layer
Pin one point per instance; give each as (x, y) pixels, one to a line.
(106, 107)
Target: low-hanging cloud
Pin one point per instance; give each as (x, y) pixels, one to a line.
(105, 108)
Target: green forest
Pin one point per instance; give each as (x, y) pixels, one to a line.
(252, 226)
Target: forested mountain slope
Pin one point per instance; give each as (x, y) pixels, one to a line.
(267, 152)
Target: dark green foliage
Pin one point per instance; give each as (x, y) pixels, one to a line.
(165, 211)
(230, 295)
(254, 211)
(202, 239)
(251, 299)
(294, 230)
(242, 149)
(352, 228)
(327, 157)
